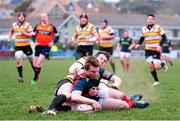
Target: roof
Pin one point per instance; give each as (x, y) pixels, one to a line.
(133, 20)
(46, 5)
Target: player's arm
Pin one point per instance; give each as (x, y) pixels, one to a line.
(34, 34)
(118, 44)
(170, 46)
(108, 37)
(110, 77)
(140, 42)
(73, 39)
(28, 32)
(132, 45)
(56, 35)
(76, 95)
(10, 35)
(116, 81)
(95, 35)
(164, 39)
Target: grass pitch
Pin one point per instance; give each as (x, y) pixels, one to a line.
(15, 98)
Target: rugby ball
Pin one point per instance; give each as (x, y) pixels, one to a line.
(85, 108)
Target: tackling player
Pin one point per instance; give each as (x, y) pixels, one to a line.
(64, 86)
(86, 90)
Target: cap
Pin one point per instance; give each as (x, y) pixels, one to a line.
(83, 15)
(21, 14)
(104, 21)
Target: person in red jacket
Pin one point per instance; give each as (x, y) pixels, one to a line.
(45, 35)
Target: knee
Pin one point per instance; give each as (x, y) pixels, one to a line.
(68, 95)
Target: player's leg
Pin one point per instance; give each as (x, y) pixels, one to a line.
(111, 103)
(151, 65)
(42, 53)
(166, 57)
(19, 63)
(127, 59)
(29, 53)
(153, 72)
(111, 61)
(63, 94)
(80, 52)
(38, 65)
(122, 61)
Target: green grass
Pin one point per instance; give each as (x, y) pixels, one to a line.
(15, 98)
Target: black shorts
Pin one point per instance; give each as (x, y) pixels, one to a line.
(84, 51)
(26, 49)
(153, 53)
(60, 83)
(107, 49)
(44, 50)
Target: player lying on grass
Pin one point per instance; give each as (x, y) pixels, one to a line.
(63, 89)
(87, 91)
(64, 86)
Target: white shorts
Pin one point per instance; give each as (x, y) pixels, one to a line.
(125, 54)
(103, 92)
(166, 55)
(20, 54)
(151, 59)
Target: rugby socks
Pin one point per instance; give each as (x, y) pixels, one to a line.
(113, 67)
(154, 75)
(57, 102)
(127, 66)
(20, 69)
(129, 102)
(33, 67)
(37, 70)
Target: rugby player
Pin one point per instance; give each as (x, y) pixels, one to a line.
(151, 34)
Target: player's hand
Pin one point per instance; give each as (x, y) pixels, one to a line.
(50, 44)
(71, 43)
(114, 86)
(9, 40)
(23, 32)
(159, 49)
(79, 71)
(36, 43)
(137, 46)
(96, 106)
(93, 91)
(170, 48)
(129, 48)
(64, 46)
